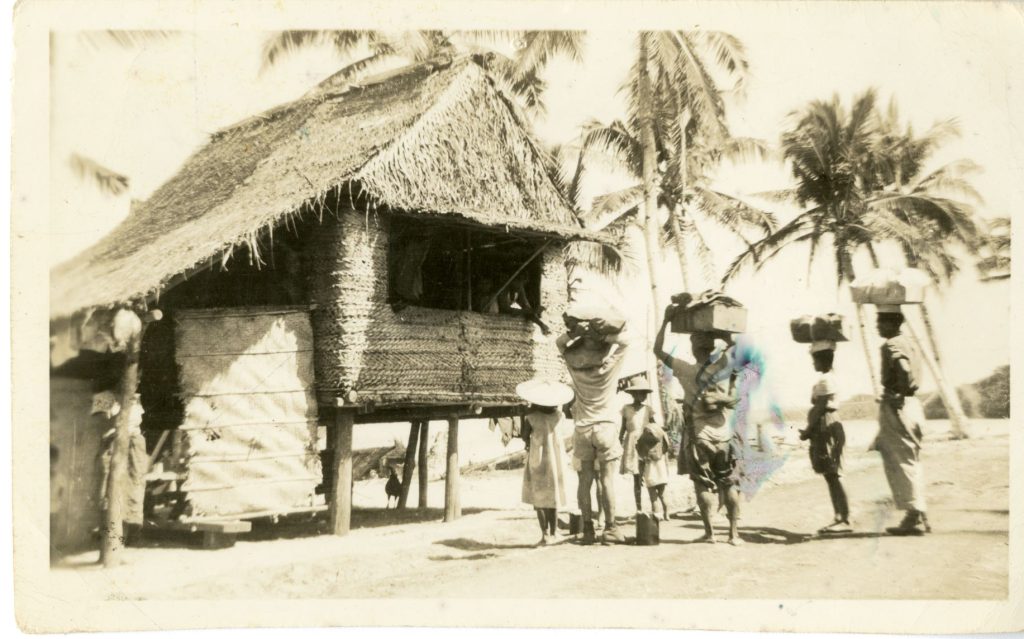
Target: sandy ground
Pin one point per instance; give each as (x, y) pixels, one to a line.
(489, 552)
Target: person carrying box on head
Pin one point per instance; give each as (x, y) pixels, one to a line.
(709, 442)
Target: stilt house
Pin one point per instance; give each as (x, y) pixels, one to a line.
(328, 262)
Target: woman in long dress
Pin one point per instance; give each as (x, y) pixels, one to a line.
(544, 473)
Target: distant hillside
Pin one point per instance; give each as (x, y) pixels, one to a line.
(988, 398)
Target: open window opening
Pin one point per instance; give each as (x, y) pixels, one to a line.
(444, 266)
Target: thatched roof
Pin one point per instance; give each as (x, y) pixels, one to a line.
(434, 138)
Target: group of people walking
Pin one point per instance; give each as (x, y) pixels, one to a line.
(608, 440)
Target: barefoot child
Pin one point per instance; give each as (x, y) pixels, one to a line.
(652, 446)
(635, 417)
(826, 435)
(544, 472)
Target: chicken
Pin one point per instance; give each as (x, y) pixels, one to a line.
(393, 488)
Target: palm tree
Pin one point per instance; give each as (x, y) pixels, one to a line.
(685, 174)
(520, 75)
(860, 175)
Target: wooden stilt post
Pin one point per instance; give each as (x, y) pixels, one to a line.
(410, 464)
(340, 508)
(452, 504)
(424, 436)
(113, 522)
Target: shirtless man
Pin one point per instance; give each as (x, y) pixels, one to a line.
(594, 362)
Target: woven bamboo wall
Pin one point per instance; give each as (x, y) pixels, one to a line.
(418, 355)
(250, 426)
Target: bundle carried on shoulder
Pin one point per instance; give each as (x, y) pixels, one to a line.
(831, 327)
(602, 320)
(885, 287)
(709, 311)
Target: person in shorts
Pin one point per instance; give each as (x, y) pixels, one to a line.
(594, 360)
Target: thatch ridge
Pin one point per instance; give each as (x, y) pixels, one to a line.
(434, 138)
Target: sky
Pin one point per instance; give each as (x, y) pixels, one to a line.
(143, 111)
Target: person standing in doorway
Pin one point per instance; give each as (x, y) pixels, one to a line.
(899, 420)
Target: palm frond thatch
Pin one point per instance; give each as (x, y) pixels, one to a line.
(252, 175)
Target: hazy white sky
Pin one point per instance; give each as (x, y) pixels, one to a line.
(142, 112)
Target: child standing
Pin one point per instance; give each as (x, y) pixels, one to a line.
(544, 473)
(635, 417)
(652, 447)
(827, 436)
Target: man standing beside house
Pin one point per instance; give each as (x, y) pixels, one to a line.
(899, 419)
(593, 350)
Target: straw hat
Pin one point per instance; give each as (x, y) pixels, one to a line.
(541, 392)
(637, 386)
(892, 309)
(822, 345)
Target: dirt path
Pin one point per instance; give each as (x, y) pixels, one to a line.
(488, 553)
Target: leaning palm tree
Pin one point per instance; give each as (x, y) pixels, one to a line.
(924, 203)
(860, 181)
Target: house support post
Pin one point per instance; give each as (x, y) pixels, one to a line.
(452, 504)
(340, 507)
(424, 436)
(113, 518)
(409, 465)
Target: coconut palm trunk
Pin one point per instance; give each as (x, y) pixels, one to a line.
(649, 213)
(957, 417)
(677, 231)
(876, 385)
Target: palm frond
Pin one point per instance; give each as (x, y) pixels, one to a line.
(284, 43)
(614, 141)
(612, 206)
(125, 39)
(108, 181)
(730, 54)
(799, 229)
(734, 214)
(539, 47)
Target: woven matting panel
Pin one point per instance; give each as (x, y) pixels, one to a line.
(250, 427)
(419, 355)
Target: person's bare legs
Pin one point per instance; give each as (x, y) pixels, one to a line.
(706, 502)
(586, 477)
(608, 494)
(637, 482)
(542, 519)
(732, 506)
(660, 490)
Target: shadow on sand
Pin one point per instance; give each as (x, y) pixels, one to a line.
(473, 545)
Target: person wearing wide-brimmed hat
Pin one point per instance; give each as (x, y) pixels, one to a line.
(544, 472)
(826, 435)
(635, 417)
(899, 419)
